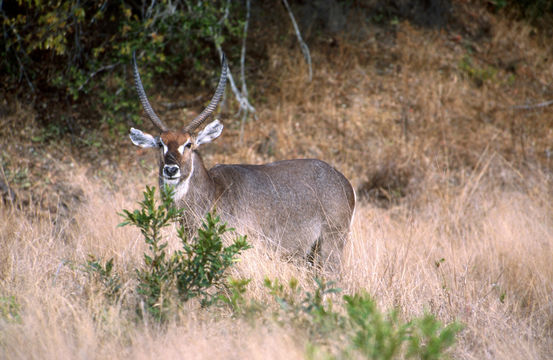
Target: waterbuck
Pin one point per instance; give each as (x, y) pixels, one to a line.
(302, 207)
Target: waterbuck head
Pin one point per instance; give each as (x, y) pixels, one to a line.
(176, 147)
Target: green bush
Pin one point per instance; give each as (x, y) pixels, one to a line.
(104, 275)
(10, 309)
(383, 336)
(375, 335)
(306, 309)
(195, 271)
(477, 74)
(428, 339)
(358, 328)
(234, 297)
(203, 261)
(77, 48)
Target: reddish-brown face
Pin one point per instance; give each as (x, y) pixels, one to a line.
(175, 156)
(176, 163)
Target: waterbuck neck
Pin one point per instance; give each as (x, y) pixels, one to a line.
(197, 190)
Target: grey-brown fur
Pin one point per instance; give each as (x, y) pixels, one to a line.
(303, 207)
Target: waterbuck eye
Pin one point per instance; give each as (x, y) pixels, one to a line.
(162, 145)
(181, 148)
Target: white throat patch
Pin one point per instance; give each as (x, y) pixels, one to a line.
(183, 188)
(171, 182)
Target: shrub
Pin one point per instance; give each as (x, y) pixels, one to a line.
(202, 263)
(234, 297)
(104, 275)
(195, 271)
(306, 309)
(359, 328)
(375, 335)
(75, 48)
(10, 309)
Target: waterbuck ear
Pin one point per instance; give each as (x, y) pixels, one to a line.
(142, 139)
(209, 133)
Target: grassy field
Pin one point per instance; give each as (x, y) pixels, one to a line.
(454, 213)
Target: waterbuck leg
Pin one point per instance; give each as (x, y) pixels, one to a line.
(314, 254)
(330, 251)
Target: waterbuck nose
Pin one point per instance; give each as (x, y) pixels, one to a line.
(170, 170)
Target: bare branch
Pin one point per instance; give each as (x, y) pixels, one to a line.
(225, 16)
(241, 96)
(532, 106)
(94, 73)
(303, 45)
(23, 73)
(242, 101)
(242, 69)
(243, 52)
(149, 10)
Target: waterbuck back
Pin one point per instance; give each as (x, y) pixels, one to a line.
(303, 206)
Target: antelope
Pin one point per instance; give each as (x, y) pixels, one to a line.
(304, 207)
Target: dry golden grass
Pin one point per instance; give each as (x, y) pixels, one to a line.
(465, 229)
(485, 262)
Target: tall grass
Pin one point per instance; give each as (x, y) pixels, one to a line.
(485, 262)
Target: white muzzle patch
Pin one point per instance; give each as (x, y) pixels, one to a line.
(171, 174)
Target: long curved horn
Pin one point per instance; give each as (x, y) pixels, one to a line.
(214, 101)
(144, 99)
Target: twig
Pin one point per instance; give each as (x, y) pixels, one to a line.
(57, 272)
(242, 99)
(244, 103)
(243, 52)
(23, 72)
(5, 190)
(303, 45)
(94, 73)
(149, 10)
(225, 15)
(242, 69)
(532, 106)
(77, 28)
